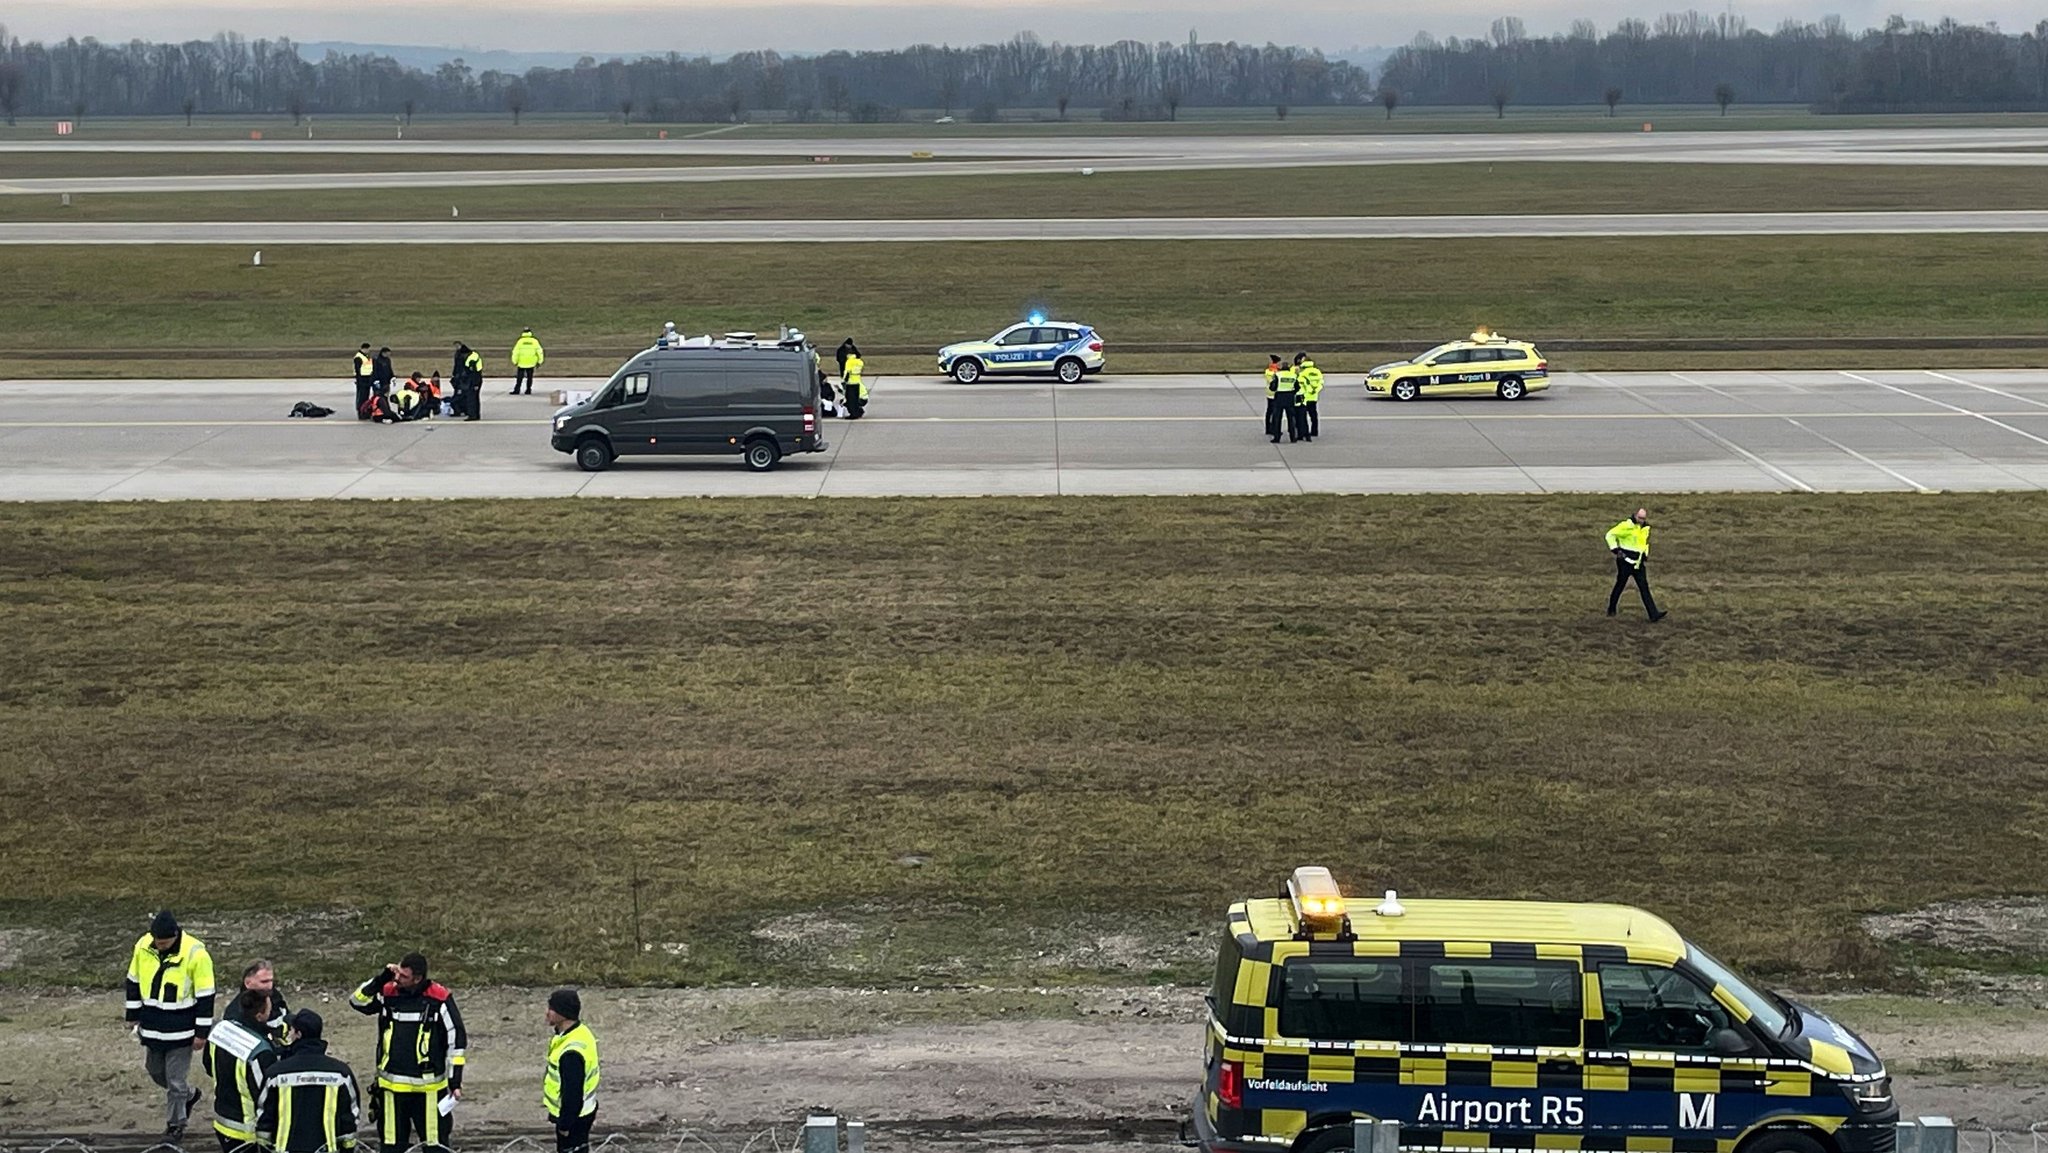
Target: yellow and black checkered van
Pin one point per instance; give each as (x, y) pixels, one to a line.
(1513, 1025)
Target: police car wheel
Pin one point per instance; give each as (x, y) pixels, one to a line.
(966, 371)
(593, 454)
(1781, 1141)
(761, 454)
(1069, 370)
(1405, 390)
(1511, 388)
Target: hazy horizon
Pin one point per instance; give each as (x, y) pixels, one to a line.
(613, 28)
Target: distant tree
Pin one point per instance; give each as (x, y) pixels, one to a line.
(1172, 98)
(78, 111)
(515, 101)
(1062, 99)
(1500, 104)
(187, 107)
(1280, 110)
(1390, 99)
(735, 101)
(1724, 95)
(408, 107)
(949, 89)
(838, 97)
(1839, 87)
(625, 111)
(10, 89)
(296, 105)
(1613, 97)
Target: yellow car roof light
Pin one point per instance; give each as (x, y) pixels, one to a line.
(1317, 903)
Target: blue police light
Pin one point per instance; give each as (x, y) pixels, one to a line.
(1036, 318)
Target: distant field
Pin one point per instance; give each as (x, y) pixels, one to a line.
(32, 165)
(1079, 122)
(895, 741)
(325, 300)
(1384, 190)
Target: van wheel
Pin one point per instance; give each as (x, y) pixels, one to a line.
(761, 454)
(1330, 1140)
(1406, 390)
(1510, 388)
(1069, 370)
(1781, 1141)
(593, 454)
(967, 370)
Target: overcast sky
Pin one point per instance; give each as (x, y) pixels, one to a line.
(609, 27)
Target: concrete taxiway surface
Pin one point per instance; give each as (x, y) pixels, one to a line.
(963, 231)
(1910, 431)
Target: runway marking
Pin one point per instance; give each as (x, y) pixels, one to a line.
(1986, 388)
(1887, 470)
(1694, 424)
(1954, 408)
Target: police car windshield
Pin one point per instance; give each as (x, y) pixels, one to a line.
(1767, 1011)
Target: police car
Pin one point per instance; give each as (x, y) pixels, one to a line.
(1484, 364)
(1067, 350)
(1513, 1025)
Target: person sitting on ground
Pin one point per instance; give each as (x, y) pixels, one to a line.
(434, 393)
(378, 409)
(405, 398)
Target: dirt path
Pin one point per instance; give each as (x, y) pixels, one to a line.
(1074, 1066)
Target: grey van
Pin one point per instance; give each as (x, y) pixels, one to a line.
(755, 398)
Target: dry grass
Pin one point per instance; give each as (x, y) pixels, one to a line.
(474, 725)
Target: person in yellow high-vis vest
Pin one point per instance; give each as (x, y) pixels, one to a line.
(569, 1088)
(1309, 379)
(527, 355)
(366, 375)
(855, 389)
(1629, 541)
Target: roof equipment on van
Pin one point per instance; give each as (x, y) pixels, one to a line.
(1391, 907)
(1317, 903)
(739, 337)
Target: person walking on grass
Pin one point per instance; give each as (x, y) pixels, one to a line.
(527, 355)
(169, 1006)
(1629, 541)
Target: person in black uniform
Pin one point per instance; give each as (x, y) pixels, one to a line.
(380, 376)
(420, 1053)
(310, 1102)
(366, 376)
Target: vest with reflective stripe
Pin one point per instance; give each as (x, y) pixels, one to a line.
(581, 1040)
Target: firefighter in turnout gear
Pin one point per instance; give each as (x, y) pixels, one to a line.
(169, 1004)
(310, 1102)
(1629, 541)
(1311, 384)
(420, 1043)
(239, 1054)
(569, 1089)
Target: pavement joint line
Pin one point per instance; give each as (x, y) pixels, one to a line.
(1956, 407)
(1058, 485)
(1908, 481)
(1710, 388)
(1511, 461)
(1985, 388)
(1723, 441)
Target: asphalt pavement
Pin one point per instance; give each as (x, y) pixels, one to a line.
(996, 155)
(1900, 431)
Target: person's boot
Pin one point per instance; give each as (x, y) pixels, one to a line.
(1655, 617)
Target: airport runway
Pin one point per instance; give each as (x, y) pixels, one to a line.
(258, 233)
(1009, 155)
(1900, 431)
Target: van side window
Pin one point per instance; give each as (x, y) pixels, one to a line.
(1344, 999)
(1651, 1007)
(1512, 1003)
(635, 387)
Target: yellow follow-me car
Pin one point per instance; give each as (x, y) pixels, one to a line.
(1483, 364)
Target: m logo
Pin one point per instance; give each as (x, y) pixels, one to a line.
(1696, 1110)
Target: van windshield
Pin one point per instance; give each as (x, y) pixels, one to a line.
(1767, 1010)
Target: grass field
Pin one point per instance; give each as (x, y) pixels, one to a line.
(1385, 190)
(50, 165)
(1080, 122)
(320, 302)
(902, 740)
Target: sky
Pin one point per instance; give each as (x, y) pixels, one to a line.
(608, 27)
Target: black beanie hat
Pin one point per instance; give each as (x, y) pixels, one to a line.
(306, 1023)
(163, 924)
(567, 1003)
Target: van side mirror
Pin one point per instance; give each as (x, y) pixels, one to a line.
(1728, 1043)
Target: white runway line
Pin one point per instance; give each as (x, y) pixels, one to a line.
(1986, 388)
(1716, 437)
(1953, 407)
(1895, 474)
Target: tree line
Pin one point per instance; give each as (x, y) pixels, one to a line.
(231, 74)
(1691, 58)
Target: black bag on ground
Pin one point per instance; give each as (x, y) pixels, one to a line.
(309, 409)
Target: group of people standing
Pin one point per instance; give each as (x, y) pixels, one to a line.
(384, 397)
(1292, 390)
(276, 1086)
